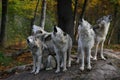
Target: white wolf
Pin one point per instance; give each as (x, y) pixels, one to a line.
(85, 43)
(101, 30)
(62, 46)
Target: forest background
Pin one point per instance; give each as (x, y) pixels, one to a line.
(21, 12)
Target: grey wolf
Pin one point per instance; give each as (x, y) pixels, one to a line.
(85, 43)
(36, 53)
(62, 45)
(101, 29)
(38, 44)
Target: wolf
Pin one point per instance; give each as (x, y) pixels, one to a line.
(45, 38)
(85, 43)
(62, 45)
(40, 47)
(36, 53)
(101, 29)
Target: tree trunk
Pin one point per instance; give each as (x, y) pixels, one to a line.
(3, 22)
(33, 19)
(75, 11)
(43, 14)
(114, 24)
(65, 16)
(81, 16)
(75, 20)
(83, 9)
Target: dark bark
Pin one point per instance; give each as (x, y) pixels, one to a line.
(115, 23)
(65, 16)
(81, 16)
(83, 9)
(75, 19)
(3, 21)
(75, 10)
(33, 19)
(43, 14)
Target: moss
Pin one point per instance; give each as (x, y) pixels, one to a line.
(5, 61)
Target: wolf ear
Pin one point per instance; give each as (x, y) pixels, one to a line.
(39, 31)
(55, 29)
(110, 17)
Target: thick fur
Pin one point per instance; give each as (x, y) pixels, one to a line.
(85, 43)
(62, 46)
(38, 45)
(45, 38)
(101, 30)
(36, 53)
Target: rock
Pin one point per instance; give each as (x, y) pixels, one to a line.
(112, 54)
(101, 70)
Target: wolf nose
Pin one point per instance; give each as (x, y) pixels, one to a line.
(28, 41)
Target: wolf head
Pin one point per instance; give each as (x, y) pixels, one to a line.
(31, 41)
(104, 22)
(84, 25)
(40, 33)
(106, 19)
(38, 30)
(58, 34)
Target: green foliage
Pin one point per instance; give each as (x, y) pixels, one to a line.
(114, 1)
(20, 13)
(22, 8)
(51, 12)
(51, 15)
(5, 60)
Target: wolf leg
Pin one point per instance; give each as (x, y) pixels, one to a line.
(58, 63)
(96, 50)
(39, 64)
(101, 52)
(65, 60)
(69, 58)
(34, 64)
(78, 55)
(88, 59)
(83, 57)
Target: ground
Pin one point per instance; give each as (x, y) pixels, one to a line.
(73, 73)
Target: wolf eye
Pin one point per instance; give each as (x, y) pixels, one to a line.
(39, 32)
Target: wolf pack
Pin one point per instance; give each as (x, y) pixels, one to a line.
(56, 45)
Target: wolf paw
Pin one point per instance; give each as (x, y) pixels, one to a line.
(89, 67)
(64, 69)
(82, 68)
(36, 72)
(57, 71)
(32, 71)
(91, 57)
(103, 58)
(95, 58)
(69, 65)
